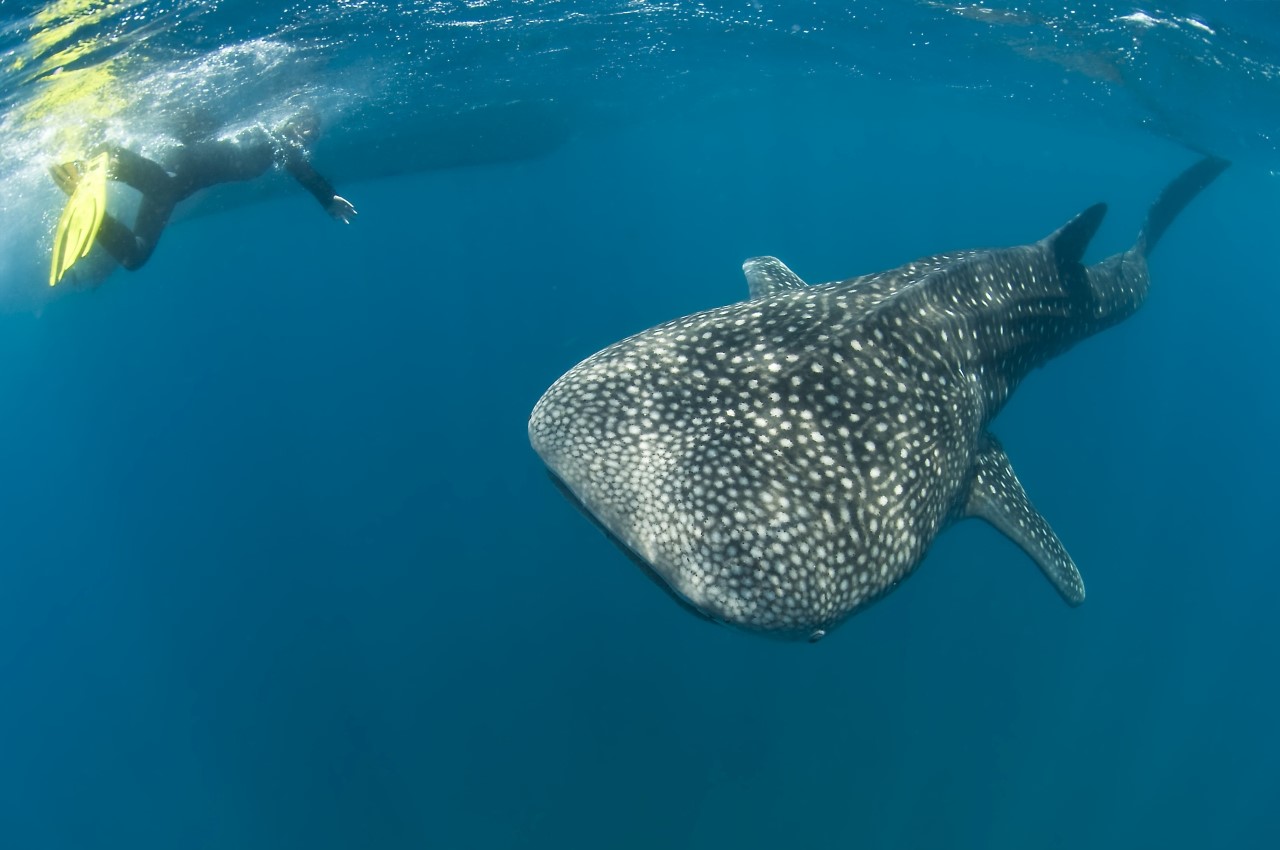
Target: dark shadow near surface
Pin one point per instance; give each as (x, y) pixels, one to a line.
(487, 135)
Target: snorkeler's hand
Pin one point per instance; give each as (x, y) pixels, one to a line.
(341, 209)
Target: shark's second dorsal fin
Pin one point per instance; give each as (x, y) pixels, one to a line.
(1069, 242)
(997, 496)
(768, 276)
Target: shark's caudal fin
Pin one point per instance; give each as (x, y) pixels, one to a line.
(1069, 242)
(1111, 289)
(1175, 197)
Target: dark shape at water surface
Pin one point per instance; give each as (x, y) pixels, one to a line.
(509, 132)
(783, 462)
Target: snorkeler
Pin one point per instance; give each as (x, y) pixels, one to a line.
(197, 166)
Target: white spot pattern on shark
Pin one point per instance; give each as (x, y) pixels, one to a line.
(780, 463)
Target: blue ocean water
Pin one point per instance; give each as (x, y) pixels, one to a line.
(281, 570)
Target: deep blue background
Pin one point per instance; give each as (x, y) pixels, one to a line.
(282, 571)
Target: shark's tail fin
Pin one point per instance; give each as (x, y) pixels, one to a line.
(1175, 196)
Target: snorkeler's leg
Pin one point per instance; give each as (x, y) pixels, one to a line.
(137, 171)
(153, 216)
(119, 241)
(132, 248)
(125, 166)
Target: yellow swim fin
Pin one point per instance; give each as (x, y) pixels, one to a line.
(81, 218)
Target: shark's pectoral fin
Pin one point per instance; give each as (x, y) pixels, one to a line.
(768, 276)
(996, 496)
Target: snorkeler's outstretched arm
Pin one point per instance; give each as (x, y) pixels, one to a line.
(322, 190)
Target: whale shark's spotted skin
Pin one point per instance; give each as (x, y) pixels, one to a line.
(782, 462)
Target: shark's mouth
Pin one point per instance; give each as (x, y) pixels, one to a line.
(812, 635)
(645, 567)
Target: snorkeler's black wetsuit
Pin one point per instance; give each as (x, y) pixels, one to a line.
(196, 166)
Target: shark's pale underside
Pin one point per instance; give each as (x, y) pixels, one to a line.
(780, 463)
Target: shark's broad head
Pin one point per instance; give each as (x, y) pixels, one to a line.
(780, 463)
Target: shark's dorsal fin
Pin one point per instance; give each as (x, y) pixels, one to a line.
(1069, 242)
(769, 276)
(997, 496)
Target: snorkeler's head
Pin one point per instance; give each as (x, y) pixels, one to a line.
(303, 127)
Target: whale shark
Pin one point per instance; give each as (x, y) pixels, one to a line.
(781, 463)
